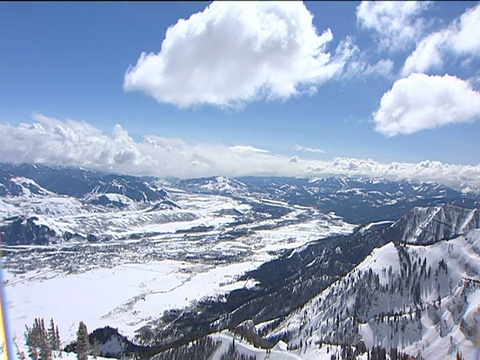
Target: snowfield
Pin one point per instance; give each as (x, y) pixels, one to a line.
(125, 297)
(243, 348)
(155, 259)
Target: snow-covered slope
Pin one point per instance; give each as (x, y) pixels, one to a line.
(420, 299)
(285, 284)
(163, 255)
(215, 185)
(13, 185)
(225, 345)
(429, 224)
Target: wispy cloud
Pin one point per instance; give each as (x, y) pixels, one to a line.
(460, 38)
(248, 149)
(358, 64)
(422, 102)
(233, 53)
(308, 149)
(72, 143)
(395, 24)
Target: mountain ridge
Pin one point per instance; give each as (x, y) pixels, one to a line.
(310, 267)
(294, 229)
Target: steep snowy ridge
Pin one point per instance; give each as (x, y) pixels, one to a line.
(423, 300)
(11, 185)
(424, 225)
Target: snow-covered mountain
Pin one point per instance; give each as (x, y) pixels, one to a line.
(65, 241)
(79, 183)
(360, 263)
(370, 289)
(220, 185)
(41, 204)
(425, 225)
(360, 200)
(11, 185)
(423, 300)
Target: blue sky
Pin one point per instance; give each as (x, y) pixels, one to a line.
(312, 101)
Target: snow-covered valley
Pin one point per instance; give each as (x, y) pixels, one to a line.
(167, 262)
(123, 266)
(124, 296)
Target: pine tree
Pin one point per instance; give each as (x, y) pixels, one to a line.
(83, 344)
(58, 342)
(33, 339)
(52, 336)
(45, 347)
(45, 350)
(30, 343)
(36, 339)
(96, 348)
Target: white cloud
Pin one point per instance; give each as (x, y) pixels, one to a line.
(236, 52)
(449, 174)
(247, 149)
(395, 23)
(426, 55)
(357, 62)
(49, 140)
(424, 102)
(73, 143)
(362, 69)
(459, 38)
(465, 32)
(308, 149)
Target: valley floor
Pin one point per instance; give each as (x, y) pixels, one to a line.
(124, 297)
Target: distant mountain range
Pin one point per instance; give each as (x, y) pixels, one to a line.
(355, 265)
(357, 201)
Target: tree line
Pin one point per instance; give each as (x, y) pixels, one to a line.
(41, 342)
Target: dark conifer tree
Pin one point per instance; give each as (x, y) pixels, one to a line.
(31, 343)
(45, 346)
(36, 339)
(83, 344)
(58, 343)
(52, 335)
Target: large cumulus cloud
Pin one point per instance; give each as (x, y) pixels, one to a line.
(424, 102)
(74, 143)
(232, 53)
